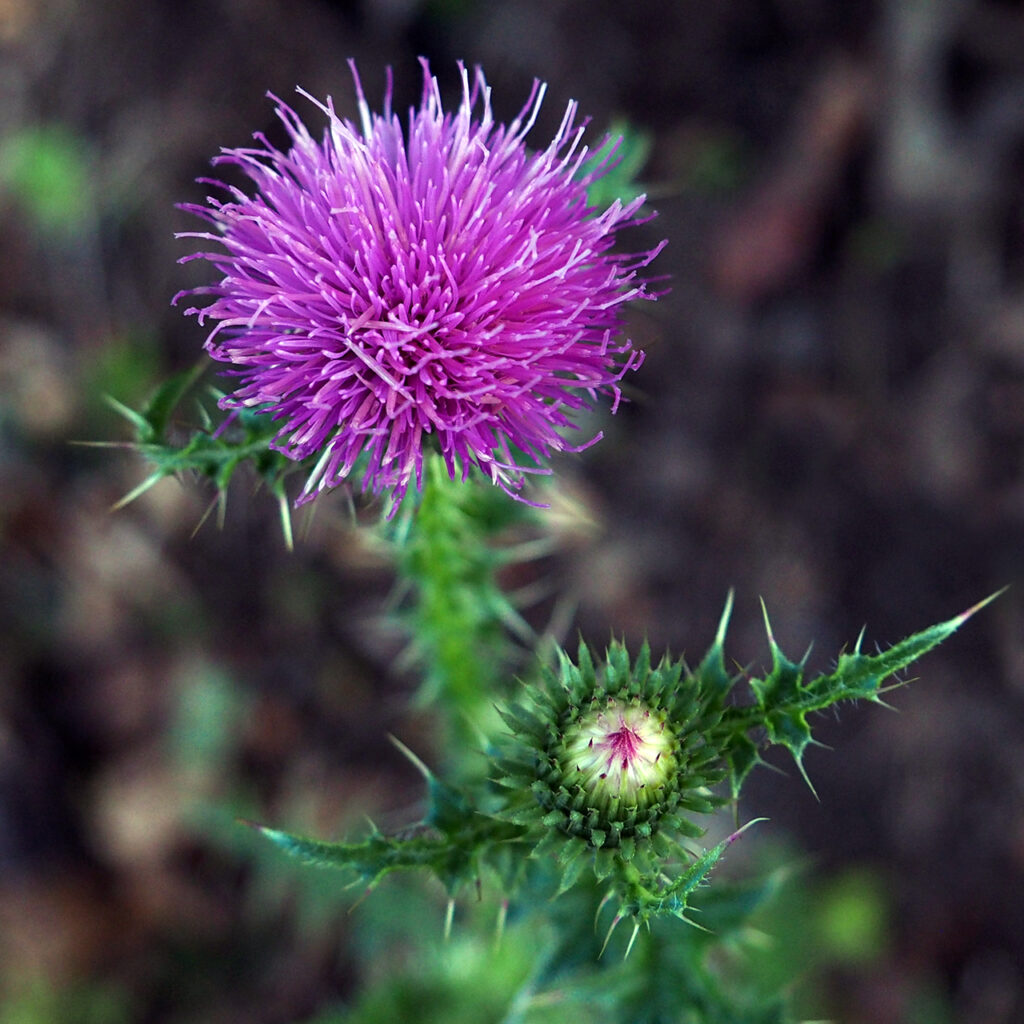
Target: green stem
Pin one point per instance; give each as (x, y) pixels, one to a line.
(458, 611)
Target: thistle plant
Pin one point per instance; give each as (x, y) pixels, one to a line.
(416, 314)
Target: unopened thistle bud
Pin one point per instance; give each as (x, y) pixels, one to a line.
(611, 757)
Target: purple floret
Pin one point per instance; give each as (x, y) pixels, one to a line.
(384, 291)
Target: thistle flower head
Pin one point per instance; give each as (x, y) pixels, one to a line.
(386, 290)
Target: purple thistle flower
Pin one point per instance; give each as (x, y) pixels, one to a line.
(384, 289)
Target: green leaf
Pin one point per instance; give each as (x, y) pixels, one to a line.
(625, 151)
(165, 400)
(711, 671)
(47, 168)
(214, 450)
(727, 907)
(859, 676)
(784, 699)
(644, 899)
(741, 755)
(782, 685)
(449, 842)
(449, 809)
(370, 859)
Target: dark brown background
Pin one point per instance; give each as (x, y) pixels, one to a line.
(831, 416)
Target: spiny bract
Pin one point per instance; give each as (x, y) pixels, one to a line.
(613, 757)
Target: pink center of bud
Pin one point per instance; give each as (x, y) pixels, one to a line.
(624, 743)
(620, 754)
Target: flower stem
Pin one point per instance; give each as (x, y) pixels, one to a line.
(458, 611)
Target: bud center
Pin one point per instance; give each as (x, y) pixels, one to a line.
(620, 754)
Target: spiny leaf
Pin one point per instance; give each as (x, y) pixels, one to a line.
(212, 452)
(370, 859)
(859, 676)
(643, 898)
(448, 842)
(742, 756)
(782, 685)
(449, 809)
(711, 671)
(143, 428)
(137, 491)
(165, 400)
(784, 699)
(726, 907)
(452, 857)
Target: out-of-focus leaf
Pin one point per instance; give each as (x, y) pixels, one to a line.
(46, 169)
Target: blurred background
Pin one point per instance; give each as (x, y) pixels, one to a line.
(831, 417)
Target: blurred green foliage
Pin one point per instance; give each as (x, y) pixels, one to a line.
(718, 162)
(125, 366)
(625, 149)
(46, 168)
(39, 1002)
(852, 917)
